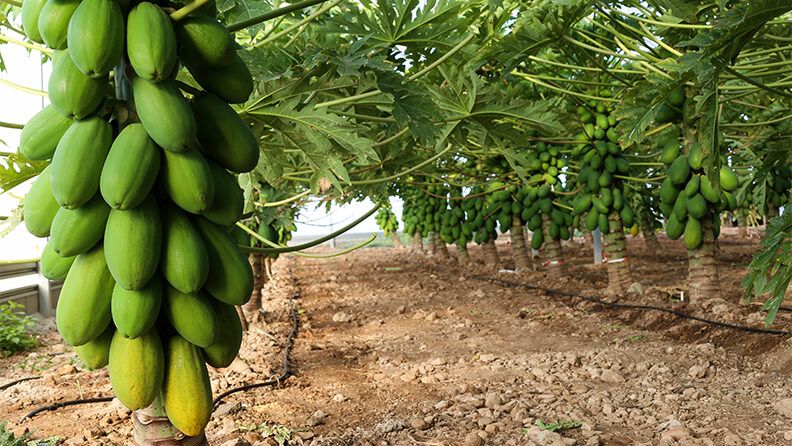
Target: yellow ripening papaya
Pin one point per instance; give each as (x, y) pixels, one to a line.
(227, 210)
(40, 206)
(123, 187)
(41, 134)
(75, 231)
(53, 21)
(184, 261)
(165, 114)
(229, 336)
(137, 368)
(31, 9)
(203, 40)
(83, 310)
(133, 243)
(191, 315)
(96, 354)
(77, 164)
(224, 136)
(53, 266)
(186, 388)
(187, 179)
(232, 83)
(96, 36)
(230, 277)
(151, 42)
(135, 311)
(72, 93)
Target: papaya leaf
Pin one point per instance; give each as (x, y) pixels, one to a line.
(15, 170)
(770, 270)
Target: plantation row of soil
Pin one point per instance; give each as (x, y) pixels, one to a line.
(397, 348)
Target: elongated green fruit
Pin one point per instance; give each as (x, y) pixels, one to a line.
(41, 134)
(188, 180)
(728, 179)
(203, 40)
(186, 388)
(135, 312)
(224, 137)
(233, 83)
(31, 9)
(184, 262)
(40, 206)
(96, 36)
(151, 42)
(693, 233)
(137, 368)
(130, 169)
(72, 93)
(165, 114)
(227, 210)
(141, 230)
(96, 354)
(84, 304)
(53, 266)
(77, 164)
(230, 277)
(53, 22)
(192, 316)
(75, 231)
(229, 336)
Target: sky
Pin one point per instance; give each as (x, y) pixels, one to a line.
(18, 107)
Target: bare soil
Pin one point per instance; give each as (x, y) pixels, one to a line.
(396, 348)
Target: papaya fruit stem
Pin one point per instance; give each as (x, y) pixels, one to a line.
(187, 10)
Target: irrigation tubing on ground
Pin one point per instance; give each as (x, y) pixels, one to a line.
(745, 328)
(17, 381)
(56, 406)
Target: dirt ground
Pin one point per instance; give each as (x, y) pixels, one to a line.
(397, 348)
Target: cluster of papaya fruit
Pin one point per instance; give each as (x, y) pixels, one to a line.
(419, 213)
(688, 197)
(601, 160)
(140, 195)
(777, 191)
(482, 211)
(386, 220)
(452, 220)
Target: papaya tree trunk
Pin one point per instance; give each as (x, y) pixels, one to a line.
(491, 257)
(703, 266)
(462, 255)
(440, 247)
(521, 261)
(397, 243)
(417, 242)
(151, 427)
(619, 279)
(253, 307)
(742, 224)
(650, 238)
(553, 260)
(431, 241)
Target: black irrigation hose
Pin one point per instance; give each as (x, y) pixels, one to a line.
(20, 380)
(56, 406)
(677, 313)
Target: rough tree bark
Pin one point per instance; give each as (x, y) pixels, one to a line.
(417, 242)
(253, 307)
(462, 255)
(619, 278)
(650, 238)
(521, 260)
(440, 247)
(742, 224)
(703, 266)
(431, 241)
(491, 257)
(553, 261)
(397, 243)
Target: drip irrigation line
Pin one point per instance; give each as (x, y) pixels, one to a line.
(20, 380)
(745, 328)
(57, 406)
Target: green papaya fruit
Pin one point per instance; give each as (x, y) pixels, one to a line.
(52, 266)
(618, 199)
(537, 239)
(96, 354)
(679, 170)
(606, 197)
(582, 204)
(731, 200)
(77, 164)
(602, 121)
(693, 233)
(137, 368)
(135, 311)
(665, 114)
(622, 166)
(75, 231)
(72, 93)
(693, 186)
(627, 216)
(230, 278)
(96, 36)
(709, 192)
(31, 9)
(229, 336)
(674, 227)
(184, 262)
(151, 42)
(41, 134)
(165, 114)
(191, 315)
(83, 310)
(224, 137)
(677, 96)
(680, 207)
(697, 206)
(605, 179)
(695, 156)
(40, 206)
(666, 209)
(610, 164)
(140, 228)
(592, 219)
(599, 205)
(204, 41)
(53, 22)
(604, 224)
(188, 180)
(186, 388)
(121, 186)
(728, 180)
(232, 83)
(228, 210)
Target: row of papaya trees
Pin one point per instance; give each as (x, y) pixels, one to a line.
(182, 139)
